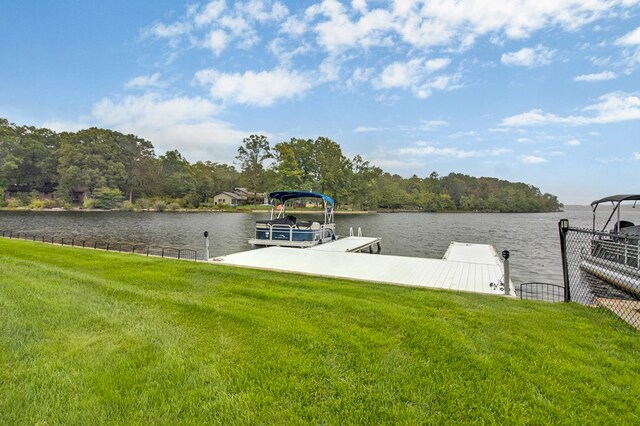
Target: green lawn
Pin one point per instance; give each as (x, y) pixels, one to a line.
(95, 337)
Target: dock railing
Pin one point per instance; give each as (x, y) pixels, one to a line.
(601, 269)
(122, 247)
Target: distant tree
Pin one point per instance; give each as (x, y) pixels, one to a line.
(177, 179)
(101, 161)
(331, 168)
(90, 159)
(133, 153)
(289, 174)
(27, 155)
(252, 154)
(363, 184)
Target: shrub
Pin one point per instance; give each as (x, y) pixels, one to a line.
(89, 203)
(159, 205)
(127, 206)
(52, 203)
(37, 204)
(143, 203)
(107, 198)
(15, 202)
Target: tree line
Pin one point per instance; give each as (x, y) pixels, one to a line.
(123, 170)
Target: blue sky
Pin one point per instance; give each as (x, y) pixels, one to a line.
(538, 91)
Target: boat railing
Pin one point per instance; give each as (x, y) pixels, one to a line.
(285, 232)
(619, 249)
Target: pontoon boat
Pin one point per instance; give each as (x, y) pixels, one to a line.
(287, 230)
(614, 255)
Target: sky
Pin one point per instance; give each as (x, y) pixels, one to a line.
(545, 92)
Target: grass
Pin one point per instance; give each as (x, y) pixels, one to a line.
(96, 337)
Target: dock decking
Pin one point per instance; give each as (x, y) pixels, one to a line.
(347, 244)
(466, 267)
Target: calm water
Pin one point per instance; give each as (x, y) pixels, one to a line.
(531, 238)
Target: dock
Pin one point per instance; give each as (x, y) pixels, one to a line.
(465, 267)
(349, 244)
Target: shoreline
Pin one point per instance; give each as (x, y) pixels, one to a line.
(336, 212)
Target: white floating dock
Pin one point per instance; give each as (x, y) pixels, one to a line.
(466, 267)
(347, 244)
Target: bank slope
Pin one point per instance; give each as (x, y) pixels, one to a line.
(102, 337)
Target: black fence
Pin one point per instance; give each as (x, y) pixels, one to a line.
(542, 291)
(136, 248)
(602, 270)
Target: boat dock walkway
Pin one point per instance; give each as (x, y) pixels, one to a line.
(465, 267)
(348, 244)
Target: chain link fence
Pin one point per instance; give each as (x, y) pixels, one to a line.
(122, 247)
(602, 270)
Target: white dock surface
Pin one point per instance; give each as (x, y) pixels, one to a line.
(346, 244)
(467, 267)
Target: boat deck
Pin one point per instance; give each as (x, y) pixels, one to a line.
(466, 267)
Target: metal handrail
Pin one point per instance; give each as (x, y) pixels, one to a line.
(143, 249)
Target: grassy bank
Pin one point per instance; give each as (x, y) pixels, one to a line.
(95, 337)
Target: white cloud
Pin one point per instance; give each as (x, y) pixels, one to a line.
(145, 81)
(636, 155)
(470, 133)
(630, 39)
(339, 32)
(262, 88)
(258, 10)
(188, 124)
(359, 5)
(359, 75)
(532, 159)
(366, 129)
(415, 74)
(524, 140)
(631, 50)
(211, 12)
(601, 76)
(176, 29)
(437, 64)
(153, 110)
(573, 142)
(423, 150)
(217, 41)
(293, 26)
(432, 125)
(612, 107)
(400, 74)
(529, 57)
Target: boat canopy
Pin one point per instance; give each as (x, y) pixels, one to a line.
(617, 199)
(284, 196)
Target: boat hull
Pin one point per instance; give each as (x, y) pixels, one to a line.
(621, 276)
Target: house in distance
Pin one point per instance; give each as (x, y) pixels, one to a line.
(239, 197)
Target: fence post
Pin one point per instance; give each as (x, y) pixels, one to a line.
(563, 227)
(206, 245)
(507, 278)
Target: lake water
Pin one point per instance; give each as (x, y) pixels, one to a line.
(531, 238)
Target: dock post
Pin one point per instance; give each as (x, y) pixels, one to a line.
(563, 228)
(206, 245)
(505, 255)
